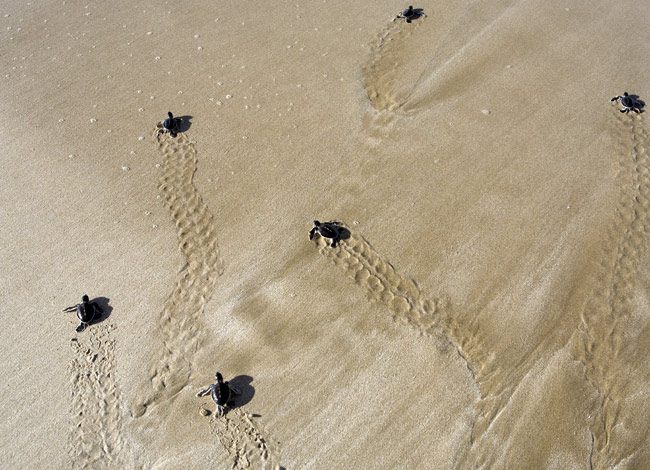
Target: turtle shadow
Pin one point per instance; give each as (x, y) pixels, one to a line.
(640, 103)
(417, 14)
(247, 391)
(184, 123)
(103, 303)
(344, 233)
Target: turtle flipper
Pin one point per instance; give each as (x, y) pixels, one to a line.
(70, 309)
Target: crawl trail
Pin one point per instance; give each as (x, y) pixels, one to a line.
(95, 439)
(243, 440)
(381, 73)
(402, 296)
(180, 333)
(408, 304)
(608, 322)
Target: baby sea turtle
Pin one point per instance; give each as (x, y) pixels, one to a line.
(171, 124)
(410, 14)
(86, 312)
(221, 393)
(629, 103)
(331, 230)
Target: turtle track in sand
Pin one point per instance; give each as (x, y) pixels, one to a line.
(180, 333)
(385, 53)
(608, 321)
(432, 317)
(95, 440)
(244, 441)
(403, 297)
(381, 78)
(416, 67)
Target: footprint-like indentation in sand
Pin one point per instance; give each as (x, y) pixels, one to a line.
(244, 441)
(607, 323)
(383, 81)
(180, 333)
(415, 67)
(403, 297)
(387, 57)
(431, 316)
(95, 440)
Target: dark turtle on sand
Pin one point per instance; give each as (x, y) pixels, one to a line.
(171, 125)
(329, 230)
(86, 312)
(221, 393)
(629, 103)
(410, 14)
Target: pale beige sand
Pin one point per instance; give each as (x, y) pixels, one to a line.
(489, 310)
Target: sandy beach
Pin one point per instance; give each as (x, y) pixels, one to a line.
(488, 306)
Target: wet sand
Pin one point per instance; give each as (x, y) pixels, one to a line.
(489, 308)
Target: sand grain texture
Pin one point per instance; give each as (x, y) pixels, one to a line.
(180, 328)
(497, 202)
(245, 444)
(610, 317)
(95, 438)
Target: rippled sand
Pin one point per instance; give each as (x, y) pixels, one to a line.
(488, 307)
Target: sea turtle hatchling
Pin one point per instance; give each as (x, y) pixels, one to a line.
(629, 103)
(410, 14)
(171, 125)
(221, 393)
(329, 230)
(86, 312)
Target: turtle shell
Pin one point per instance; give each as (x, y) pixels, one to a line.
(86, 312)
(328, 230)
(171, 123)
(627, 101)
(221, 393)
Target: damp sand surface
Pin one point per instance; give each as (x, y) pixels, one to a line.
(487, 306)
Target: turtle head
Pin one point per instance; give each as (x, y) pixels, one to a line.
(85, 299)
(316, 223)
(625, 93)
(218, 377)
(171, 116)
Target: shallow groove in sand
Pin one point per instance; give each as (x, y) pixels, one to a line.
(606, 320)
(95, 440)
(244, 441)
(402, 296)
(386, 54)
(180, 333)
(433, 317)
(381, 80)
